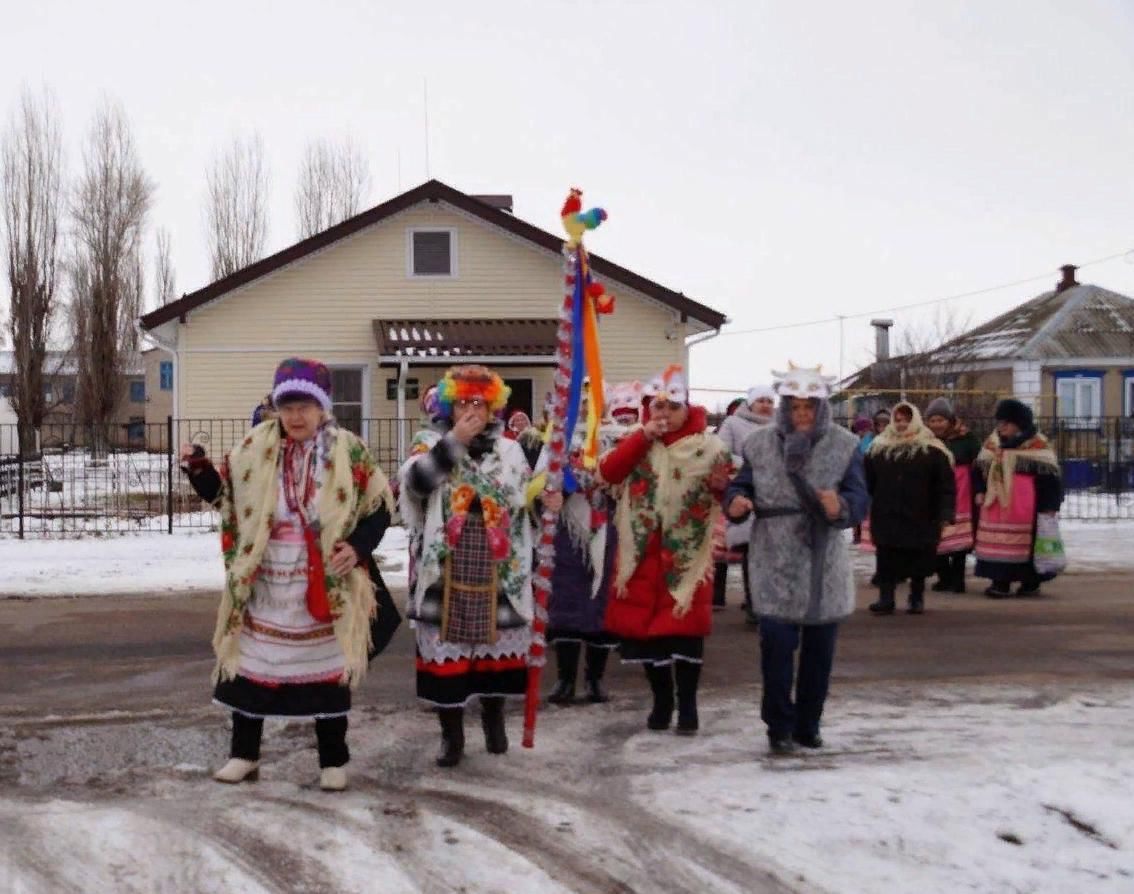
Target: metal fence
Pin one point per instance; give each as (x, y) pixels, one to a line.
(67, 488)
(132, 481)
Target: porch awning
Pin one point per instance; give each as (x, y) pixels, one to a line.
(528, 342)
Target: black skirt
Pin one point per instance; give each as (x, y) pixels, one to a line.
(307, 700)
(896, 564)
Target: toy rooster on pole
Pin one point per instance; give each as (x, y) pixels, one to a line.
(577, 356)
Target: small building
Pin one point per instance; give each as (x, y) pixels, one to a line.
(60, 427)
(1069, 353)
(392, 297)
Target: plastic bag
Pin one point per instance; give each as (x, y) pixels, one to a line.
(1049, 557)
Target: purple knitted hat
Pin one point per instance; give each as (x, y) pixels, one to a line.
(299, 377)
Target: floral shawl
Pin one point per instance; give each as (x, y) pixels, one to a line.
(669, 491)
(917, 438)
(999, 465)
(349, 487)
(499, 478)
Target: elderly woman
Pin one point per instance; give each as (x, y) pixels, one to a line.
(758, 409)
(909, 474)
(463, 498)
(1016, 479)
(302, 506)
(671, 474)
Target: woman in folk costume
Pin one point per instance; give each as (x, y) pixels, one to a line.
(909, 474)
(1016, 479)
(584, 545)
(670, 473)
(957, 538)
(302, 508)
(521, 430)
(463, 498)
(803, 481)
(758, 408)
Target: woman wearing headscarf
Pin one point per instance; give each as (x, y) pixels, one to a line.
(1016, 479)
(909, 474)
(670, 474)
(463, 498)
(303, 506)
(758, 409)
(957, 538)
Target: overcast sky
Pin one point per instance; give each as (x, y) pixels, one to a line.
(781, 162)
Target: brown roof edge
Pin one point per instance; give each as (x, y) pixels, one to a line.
(433, 190)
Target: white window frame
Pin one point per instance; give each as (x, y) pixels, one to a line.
(364, 368)
(1087, 390)
(1128, 394)
(453, 254)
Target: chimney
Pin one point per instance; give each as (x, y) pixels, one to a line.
(881, 338)
(1068, 281)
(499, 201)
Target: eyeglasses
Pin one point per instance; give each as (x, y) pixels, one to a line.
(466, 403)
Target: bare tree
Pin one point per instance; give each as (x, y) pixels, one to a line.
(110, 204)
(31, 191)
(165, 283)
(236, 214)
(334, 181)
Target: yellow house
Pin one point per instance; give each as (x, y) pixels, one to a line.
(392, 297)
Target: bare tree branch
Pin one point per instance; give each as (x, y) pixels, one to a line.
(109, 207)
(334, 181)
(31, 192)
(236, 213)
(165, 279)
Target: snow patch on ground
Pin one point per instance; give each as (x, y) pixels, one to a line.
(149, 564)
(920, 788)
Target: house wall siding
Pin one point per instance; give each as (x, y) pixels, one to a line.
(325, 306)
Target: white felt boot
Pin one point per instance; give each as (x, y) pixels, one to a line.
(238, 770)
(332, 779)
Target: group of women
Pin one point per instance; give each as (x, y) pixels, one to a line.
(938, 493)
(303, 507)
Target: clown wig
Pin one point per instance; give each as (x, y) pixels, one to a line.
(467, 382)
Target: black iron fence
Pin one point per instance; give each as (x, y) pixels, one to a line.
(127, 478)
(122, 479)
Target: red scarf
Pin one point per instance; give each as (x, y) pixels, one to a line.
(300, 494)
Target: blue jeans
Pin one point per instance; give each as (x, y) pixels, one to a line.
(778, 642)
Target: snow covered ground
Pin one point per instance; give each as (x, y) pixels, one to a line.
(921, 789)
(153, 564)
(146, 564)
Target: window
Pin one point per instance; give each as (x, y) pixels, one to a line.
(68, 392)
(137, 391)
(136, 430)
(413, 389)
(5, 389)
(432, 253)
(1128, 394)
(346, 398)
(1078, 398)
(166, 375)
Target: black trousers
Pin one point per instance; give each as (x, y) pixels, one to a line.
(330, 732)
(778, 643)
(720, 578)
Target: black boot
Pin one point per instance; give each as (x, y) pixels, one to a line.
(917, 597)
(959, 573)
(452, 736)
(492, 719)
(567, 665)
(885, 603)
(596, 667)
(687, 673)
(720, 584)
(661, 684)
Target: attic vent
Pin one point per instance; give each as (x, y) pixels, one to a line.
(432, 253)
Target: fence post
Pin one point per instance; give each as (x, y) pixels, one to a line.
(20, 486)
(169, 470)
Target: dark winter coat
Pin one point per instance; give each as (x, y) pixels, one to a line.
(911, 496)
(571, 607)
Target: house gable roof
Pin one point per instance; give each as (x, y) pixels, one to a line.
(432, 191)
(1082, 321)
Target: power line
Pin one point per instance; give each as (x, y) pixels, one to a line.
(901, 307)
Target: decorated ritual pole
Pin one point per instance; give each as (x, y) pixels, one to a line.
(564, 413)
